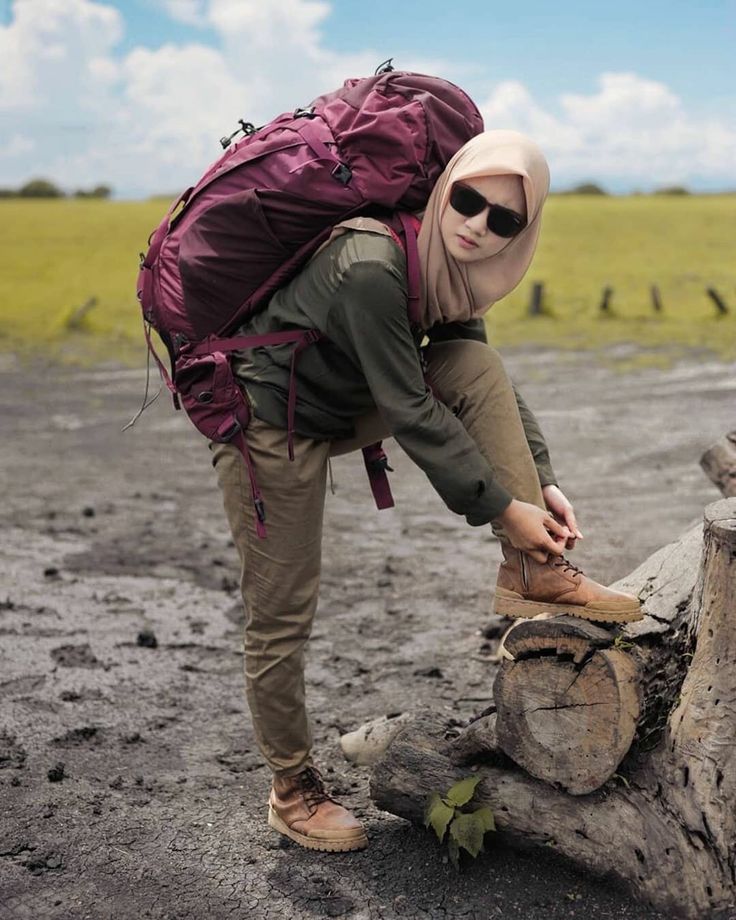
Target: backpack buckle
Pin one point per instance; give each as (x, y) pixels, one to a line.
(379, 465)
(342, 173)
(304, 112)
(386, 67)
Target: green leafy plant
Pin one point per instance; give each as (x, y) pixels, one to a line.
(464, 829)
(621, 642)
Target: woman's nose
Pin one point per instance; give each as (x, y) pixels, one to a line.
(478, 223)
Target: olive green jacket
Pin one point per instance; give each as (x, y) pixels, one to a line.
(355, 292)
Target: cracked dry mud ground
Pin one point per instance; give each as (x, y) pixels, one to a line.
(130, 783)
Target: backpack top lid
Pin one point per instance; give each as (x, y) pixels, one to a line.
(397, 132)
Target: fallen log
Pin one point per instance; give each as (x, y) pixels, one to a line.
(665, 822)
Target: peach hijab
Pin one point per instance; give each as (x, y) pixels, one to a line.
(454, 291)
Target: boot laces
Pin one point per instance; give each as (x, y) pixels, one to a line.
(312, 787)
(565, 564)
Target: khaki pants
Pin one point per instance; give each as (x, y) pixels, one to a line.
(280, 575)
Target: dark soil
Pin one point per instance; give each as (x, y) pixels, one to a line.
(130, 782)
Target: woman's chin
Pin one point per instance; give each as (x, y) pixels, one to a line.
(465, 255)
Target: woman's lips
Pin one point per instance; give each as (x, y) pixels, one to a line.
(466, 243)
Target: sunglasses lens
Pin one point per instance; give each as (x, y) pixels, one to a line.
(504, 223)
(501, 221)
(466, 201)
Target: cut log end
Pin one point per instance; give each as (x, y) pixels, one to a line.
(568, 705)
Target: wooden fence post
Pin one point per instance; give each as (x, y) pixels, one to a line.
(718, 301)
(535, 305)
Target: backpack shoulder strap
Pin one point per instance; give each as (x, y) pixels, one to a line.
(410, 226)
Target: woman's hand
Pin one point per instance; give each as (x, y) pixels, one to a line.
(528, 528)
(561, 507)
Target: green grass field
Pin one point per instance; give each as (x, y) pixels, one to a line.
(58, 254)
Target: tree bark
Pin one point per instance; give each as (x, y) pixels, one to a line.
(719, 463)
(665, 822)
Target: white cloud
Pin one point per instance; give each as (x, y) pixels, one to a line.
(191, 12)
(16, 145)
(149, 119)
(45, 49)
(631, 130)
(267, 24)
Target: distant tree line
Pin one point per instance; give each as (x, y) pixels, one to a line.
(43, 188)
(591, 188)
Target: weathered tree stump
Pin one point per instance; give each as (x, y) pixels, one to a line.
(719, 463)
(666, 822)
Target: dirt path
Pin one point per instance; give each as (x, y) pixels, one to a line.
(130, 782)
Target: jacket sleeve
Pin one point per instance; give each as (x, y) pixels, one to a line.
(368, 322)
(476, 329)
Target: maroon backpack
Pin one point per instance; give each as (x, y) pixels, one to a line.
(376, 146)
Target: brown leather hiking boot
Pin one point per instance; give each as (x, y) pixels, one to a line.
(526, 587)
(299, 807)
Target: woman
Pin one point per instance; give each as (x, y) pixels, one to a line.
(471, 433)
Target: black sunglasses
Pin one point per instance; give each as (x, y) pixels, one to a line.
(501, 221)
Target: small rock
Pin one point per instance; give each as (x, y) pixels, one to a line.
(428, 672)
(56, 774)
(51, 571)
(116, 783)
(88, 511)
(147, 639)
(70, 696)
(282, 843)
(340, 907)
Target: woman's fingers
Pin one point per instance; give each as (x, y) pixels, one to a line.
(560, 529)
(555, 545)
(572, 523)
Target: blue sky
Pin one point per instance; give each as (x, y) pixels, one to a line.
(633, 95)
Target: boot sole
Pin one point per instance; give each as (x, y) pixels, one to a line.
(335, 845)
(510, 604)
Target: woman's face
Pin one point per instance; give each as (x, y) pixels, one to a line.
(468, 239)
